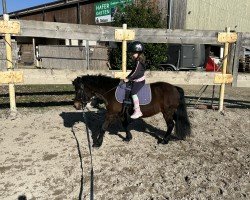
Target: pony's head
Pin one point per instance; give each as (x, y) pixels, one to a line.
(88, 86)
(81, 96)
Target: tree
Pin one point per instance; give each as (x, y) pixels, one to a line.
(141, 15)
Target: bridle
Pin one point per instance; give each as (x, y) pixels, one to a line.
(85, 99)
(82, 97)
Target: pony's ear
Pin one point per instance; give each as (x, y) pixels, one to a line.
(76, 81)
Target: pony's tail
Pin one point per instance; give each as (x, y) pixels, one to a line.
(182, 124)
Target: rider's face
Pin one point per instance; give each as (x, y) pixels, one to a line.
(135, 55)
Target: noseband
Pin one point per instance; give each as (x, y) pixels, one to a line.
(83, 97)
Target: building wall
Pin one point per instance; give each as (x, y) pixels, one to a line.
(79, 12)
(163, 8)
(218, 14)
(88, 14)
(186, 14)
(64, 15)
(178, 14)
(82, 12)
(36, 17)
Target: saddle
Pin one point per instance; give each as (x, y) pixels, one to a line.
(123, 94)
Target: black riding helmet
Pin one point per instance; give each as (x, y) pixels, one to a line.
(136, 47)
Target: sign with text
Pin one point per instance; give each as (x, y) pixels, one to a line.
(105, 11)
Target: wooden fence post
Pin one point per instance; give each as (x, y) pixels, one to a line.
(10, 66)
(123, 35)
(124, 51)
(224, 78)
(7, 28)
(224, 71)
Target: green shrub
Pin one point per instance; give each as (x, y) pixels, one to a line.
(138, 16)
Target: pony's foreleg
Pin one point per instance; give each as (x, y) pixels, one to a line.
(125, 123)
(108, 120)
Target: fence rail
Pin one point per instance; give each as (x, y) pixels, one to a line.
(47, 76)
(106, 33)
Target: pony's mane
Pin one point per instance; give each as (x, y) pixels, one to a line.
(100, 81)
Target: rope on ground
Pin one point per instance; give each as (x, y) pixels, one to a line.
(81, 165)
(91, 159)
(81, 161)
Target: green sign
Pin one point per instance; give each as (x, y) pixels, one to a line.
(105, 11)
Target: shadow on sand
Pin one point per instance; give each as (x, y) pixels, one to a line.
(96, 119)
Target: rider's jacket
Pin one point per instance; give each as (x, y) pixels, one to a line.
(137, 73)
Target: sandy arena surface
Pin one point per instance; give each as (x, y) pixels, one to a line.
(45, 155)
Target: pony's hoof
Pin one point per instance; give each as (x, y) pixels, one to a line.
(162, 141)
(96, 145)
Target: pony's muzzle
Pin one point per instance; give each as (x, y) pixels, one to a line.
(78, 105)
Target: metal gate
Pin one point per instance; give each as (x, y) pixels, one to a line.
(72, 57)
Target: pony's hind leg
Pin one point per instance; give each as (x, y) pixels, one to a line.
(167, 136)
(168, 116)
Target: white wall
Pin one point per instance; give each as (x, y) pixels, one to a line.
(218, 14)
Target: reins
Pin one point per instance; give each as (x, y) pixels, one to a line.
(81, 161)
(113, 87)
(110, 90)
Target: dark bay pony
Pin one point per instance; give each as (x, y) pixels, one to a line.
(166, 98)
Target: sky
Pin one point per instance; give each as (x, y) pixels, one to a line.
(14, 5)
